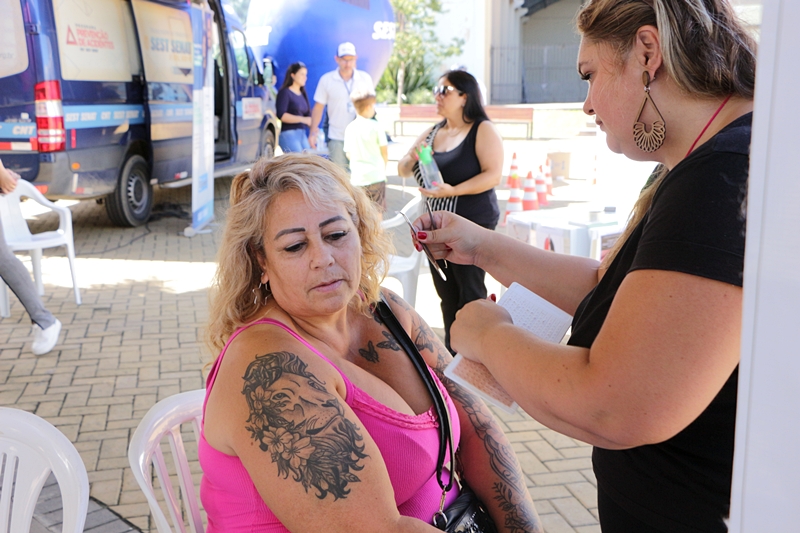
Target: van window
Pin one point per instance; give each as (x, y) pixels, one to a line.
(13, 45)
(93, 43)
(240, 52)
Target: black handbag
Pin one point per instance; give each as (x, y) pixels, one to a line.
(466, 514)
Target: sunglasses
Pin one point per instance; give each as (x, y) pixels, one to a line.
(443, 90)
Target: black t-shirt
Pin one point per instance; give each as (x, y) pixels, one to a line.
(296, 104)
(460, 164)
(695, 225)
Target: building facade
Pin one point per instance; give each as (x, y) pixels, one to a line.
(526, 51)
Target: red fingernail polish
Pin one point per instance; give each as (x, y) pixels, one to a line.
(493, 297)
(418, 246)
(422, 235)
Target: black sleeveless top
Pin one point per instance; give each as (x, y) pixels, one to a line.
(457, 166)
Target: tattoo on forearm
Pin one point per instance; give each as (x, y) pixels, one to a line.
(510, 492)
(370, 353)
(515, 521)
(301, 425)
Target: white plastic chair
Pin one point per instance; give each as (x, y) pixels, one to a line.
(165, 419)
(18, 237)
(405, 268)
(31, 448)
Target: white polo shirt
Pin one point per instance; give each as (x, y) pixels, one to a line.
(334, 92)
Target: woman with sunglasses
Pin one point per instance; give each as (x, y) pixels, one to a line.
(469, 153)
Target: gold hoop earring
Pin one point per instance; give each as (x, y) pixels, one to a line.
(649, 141)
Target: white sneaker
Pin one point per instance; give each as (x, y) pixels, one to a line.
(45, 339)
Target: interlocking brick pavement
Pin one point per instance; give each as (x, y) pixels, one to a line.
(137, 339)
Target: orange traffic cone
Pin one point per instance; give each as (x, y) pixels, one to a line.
(541, 189)
(529, 200)
(513, 174)
(548, 177)
(514, 204)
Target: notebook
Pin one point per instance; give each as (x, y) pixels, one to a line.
(529, 311)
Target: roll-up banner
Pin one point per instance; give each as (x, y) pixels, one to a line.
(203, 120)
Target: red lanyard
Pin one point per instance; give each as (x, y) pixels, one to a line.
(707, 125)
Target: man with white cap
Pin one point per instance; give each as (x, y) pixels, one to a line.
(334, 90)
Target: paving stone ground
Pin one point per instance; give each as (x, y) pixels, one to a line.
(137, 339)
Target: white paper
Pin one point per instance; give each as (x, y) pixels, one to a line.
(529, 311)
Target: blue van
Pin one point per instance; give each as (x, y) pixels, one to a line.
(96, 98)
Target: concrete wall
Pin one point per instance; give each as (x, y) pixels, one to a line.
(552, 25)
(505, 77)
(548, 55)
(467, 20)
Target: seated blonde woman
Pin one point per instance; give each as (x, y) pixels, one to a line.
(315, 418)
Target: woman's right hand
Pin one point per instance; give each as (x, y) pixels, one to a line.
(455, 238)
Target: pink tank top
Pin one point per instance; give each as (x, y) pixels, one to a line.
(409, 445)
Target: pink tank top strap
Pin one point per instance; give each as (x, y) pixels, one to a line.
(212, 376)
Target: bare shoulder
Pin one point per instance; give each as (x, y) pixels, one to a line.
(260, 357)
(488, 129)
(252, 344)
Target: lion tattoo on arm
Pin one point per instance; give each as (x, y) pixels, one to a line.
(301, 425)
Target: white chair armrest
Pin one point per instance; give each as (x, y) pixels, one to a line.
(64, 214)
(407, 210)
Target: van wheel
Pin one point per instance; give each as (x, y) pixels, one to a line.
(130, 203)
(268, 145)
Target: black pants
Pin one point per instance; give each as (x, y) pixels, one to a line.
(464, 284)
(615, 519)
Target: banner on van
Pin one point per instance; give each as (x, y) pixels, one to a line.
(94, 40)
(203, 120)
(165, 34)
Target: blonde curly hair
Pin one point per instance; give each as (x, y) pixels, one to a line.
(323, 184)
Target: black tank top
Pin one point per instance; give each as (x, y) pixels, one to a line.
(457, 166)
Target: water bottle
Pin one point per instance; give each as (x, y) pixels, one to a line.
(428, 168)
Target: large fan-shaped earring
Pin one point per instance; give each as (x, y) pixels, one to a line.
(649, 141)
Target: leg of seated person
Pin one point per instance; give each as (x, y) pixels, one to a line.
(19, 281)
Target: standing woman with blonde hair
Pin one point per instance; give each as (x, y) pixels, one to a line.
(649, 376)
